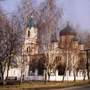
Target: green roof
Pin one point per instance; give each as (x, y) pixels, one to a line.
(31, 23)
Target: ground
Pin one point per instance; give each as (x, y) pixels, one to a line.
(39, 85)
(75, 88)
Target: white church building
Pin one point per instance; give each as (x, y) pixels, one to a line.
(61, 59)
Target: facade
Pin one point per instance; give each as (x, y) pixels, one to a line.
(64, 57)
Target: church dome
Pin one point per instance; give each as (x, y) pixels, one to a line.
(31, 22)
(67, 31)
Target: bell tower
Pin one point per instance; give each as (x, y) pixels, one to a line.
(31, 36)
(30, 46)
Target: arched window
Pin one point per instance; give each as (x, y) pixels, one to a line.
(61, 69)
(28, 33)
(28, 49)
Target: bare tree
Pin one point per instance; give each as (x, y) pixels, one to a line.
(81, 64)
(87, 47)
(10, 39)
(2, 44)
(24, 12)
(70, 48)
(87, 40)
(49, 17)
(66, 44)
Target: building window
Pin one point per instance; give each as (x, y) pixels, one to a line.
(28, 49)
(61, 69)
(28, 33)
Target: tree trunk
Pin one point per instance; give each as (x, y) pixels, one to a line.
(74, 75)
(8, 67)
(87, 64)
(45, 80)
(2, 73)
(84, 74)
(63, 77)
(3, 81)
(21, 76)
(64, 74)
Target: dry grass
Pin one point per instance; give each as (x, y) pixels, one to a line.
(41, 85)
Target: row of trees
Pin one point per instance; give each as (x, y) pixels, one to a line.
(10, 42)
(47, 16)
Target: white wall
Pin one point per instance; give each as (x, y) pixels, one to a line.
(16, 72)
(13, 72)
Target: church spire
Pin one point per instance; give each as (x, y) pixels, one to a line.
(31, 22)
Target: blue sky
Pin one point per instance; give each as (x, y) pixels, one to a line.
(10, 5)
(77, 11)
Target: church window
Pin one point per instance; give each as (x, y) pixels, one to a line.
(28, 33)
(40, 67)
(61, 69)
(28, 49)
